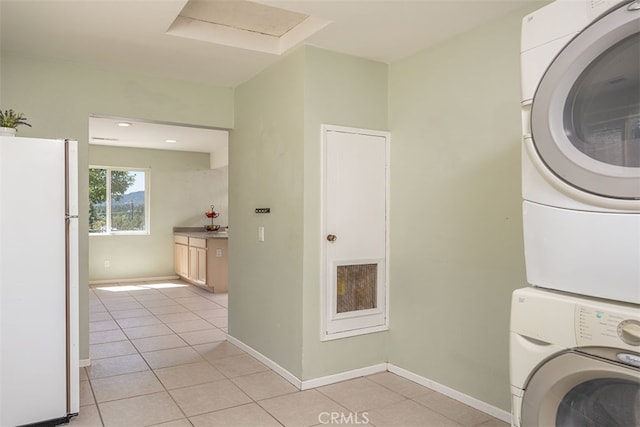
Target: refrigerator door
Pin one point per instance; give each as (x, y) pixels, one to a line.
(33, 371)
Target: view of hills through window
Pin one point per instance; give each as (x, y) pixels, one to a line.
(117, 200)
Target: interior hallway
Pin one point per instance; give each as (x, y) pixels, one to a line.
(159, 356)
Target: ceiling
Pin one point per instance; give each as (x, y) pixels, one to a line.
(227, 42)
(159, 136)
(133, 34)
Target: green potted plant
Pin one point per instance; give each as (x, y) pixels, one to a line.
(9, 122)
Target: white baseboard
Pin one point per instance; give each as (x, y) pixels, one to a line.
(369, 370)
(315, 382)
(84, 363)
(268, 362)
(454, 394)
(344, 376)
(138, 279)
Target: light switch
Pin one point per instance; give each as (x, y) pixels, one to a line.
(261, 234)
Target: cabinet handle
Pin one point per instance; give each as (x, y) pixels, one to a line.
(331, 237)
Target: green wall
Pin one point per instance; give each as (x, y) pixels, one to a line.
(58, 97)
(456, 223)
(182, 187)
(274, 162)
(347, 91)
(456, 246)
(266, 155)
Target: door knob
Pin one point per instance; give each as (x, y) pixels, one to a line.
(331, 237)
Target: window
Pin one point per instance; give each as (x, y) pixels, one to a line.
(118, 200)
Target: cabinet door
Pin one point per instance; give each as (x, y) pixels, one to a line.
(176, 258)
(184, 260)
(193, 263)
(201, 276)
(181, 260)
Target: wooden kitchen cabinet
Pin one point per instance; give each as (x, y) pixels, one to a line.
(202, 262)
(217, 265)
(198, 260)
(181, 255)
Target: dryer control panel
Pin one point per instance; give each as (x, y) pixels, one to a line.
(607, 325)
(629, 331)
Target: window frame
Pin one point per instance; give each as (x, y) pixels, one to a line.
(147, 200)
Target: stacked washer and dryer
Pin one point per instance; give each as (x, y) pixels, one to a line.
(575, 332)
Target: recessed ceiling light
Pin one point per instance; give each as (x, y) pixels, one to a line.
(171, 140)
(100, 138)
(124, 124)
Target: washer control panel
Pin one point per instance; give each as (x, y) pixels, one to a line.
(604, 325)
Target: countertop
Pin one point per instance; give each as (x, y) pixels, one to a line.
(200, 233)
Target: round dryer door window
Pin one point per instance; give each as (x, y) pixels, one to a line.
(585, 118)
(601, 402)
(577, 388)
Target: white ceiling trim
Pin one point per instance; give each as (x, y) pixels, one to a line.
(234, 37)
(244, 15)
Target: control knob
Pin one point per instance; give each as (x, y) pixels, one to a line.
(629, 331)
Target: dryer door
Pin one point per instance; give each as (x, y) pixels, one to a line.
(578, 389)
(585, 117)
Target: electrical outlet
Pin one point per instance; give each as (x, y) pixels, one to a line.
(218, 253)
(107, 263)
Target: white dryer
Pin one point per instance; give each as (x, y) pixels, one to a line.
(575, 361)
(580, 64)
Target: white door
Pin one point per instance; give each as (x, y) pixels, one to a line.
(355, 208)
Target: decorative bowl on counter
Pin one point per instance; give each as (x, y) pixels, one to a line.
(211, 214)
(212, 227)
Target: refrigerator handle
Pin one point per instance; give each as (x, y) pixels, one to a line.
(72, 276)
(71, 174)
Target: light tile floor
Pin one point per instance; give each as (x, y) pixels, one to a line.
(159, 356)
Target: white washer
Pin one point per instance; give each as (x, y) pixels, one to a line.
(580, 64)
(575, 361)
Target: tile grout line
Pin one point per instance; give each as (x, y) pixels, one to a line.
(227, 378)
(167, 391)
(156, 375)
(210, 362)
(150, 369)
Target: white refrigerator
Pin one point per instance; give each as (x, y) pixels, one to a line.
(39, 360)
